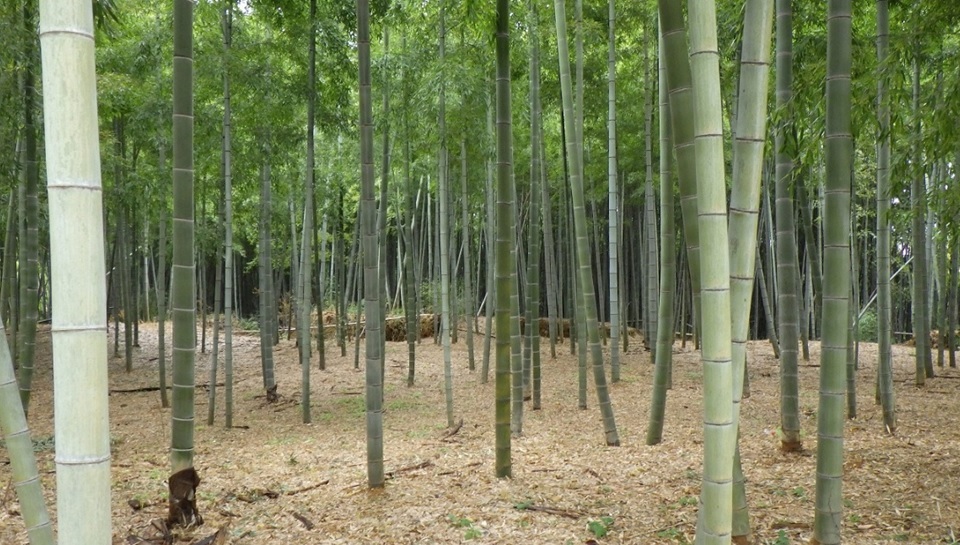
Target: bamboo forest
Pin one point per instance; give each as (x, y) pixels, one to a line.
(461, 271)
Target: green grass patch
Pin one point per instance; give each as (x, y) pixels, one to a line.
(353, 405)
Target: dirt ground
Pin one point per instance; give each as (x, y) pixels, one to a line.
(274, 480)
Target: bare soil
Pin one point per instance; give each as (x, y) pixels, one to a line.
(272, 479)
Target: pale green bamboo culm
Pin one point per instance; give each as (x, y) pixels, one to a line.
(836, 286)
(719, 425)
(918, 211)
(680, 92)
(613, 248)
(663, 355)
(534, 231)
(444, 220)
(587, 293)
(305, 282)
(228, 224)
(19, 447)
(884, 314)
(651, 250)
(371, 280)
(748, 148)
(79, 322)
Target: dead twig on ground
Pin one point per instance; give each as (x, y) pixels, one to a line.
(453, 431)
(550, 510)
(304, 520)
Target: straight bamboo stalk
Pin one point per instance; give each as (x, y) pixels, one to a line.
(444, 221)
(681, 116)
(81, 406)
(468, 295)
(836, 291)
(534, 235)
(719, 424)
(613, 210)
(23, 462)
(183, 282)
(29, 238)
(788, 312)
(587, 294)
(884, 311)
(748, 151)
(371, 281)
(228, 223)
(668, 263)
(506, 231)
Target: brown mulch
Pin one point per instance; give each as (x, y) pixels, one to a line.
(272, 479)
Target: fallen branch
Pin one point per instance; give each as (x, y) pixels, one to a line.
(304, 520)
(454, 430)
(256, 494)
(306, 488)
(346, 392)
(151, 389)
(550, 510)
(395, 472)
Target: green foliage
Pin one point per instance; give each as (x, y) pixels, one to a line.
(353, 405)
(470, 531)
(867, 327)
(674, 534)
(246, 324)
(523, 505)
(781, 539)
(600, 528)
(406, 403)
(459, 522)
(40, 444)
(43, 444)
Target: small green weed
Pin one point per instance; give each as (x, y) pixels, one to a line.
(470, 531)
(782, 539)
(247, 324)
(687, 501)
(460, 522)
(353, 405)
(40, 444)
(674, 534)
(799, 492)
(600, 528)
(402, 404)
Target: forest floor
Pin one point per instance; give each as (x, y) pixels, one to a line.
(274, 480)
